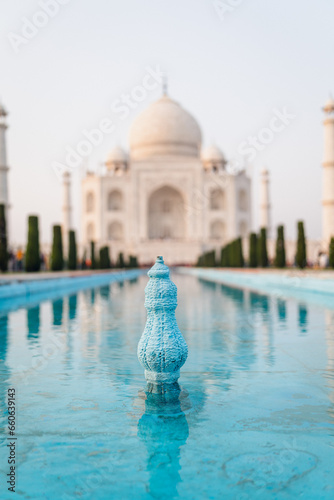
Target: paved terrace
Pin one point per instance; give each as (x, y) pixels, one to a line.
(46, 275)
(296, 283)
(26, 284)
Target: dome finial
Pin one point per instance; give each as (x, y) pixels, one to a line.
(3, 112)
(164, 85)
(329, 106)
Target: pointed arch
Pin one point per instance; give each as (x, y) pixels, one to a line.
(166, 214)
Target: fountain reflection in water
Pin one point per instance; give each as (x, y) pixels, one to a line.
(164, 429)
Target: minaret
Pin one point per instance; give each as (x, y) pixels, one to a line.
(67, 209)
(265, 201)
(328, 175)
(3, 161)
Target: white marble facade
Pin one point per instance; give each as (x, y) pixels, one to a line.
(167, 196)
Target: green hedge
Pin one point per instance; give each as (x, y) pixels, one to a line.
(331, 253)
(253, 250)
(3, 240)
(104, 258)
(72, 251)
(133, 262)
(301, 247)
(262, 255)
(33, 258)
(93, 264)
(57, 259)
(280, 260)
(120, 264)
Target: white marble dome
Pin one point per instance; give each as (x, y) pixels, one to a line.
(165, 129)
(212, 154)
(117, 155)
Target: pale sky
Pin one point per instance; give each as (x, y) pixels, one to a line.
(232, 71)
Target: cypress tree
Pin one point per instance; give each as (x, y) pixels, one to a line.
(280, 248)
(301, 247)
(253, 250)
(84, 258)
(240, 255)
(133, 262)
(104, 258)
(331, 253)
(213, 258)
(92, 256)
(231, 254)
(227, 256)
(236, 253)
(3, 240)
(258, 249)
(262, 248)
(120, 261)
(33, 259)
(222, 257)
(57, 259)
(72, 251)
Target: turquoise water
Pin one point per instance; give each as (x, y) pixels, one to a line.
(255, 418)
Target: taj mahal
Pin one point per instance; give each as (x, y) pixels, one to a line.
(166, 195)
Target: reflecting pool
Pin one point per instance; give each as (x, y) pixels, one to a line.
(254, 420)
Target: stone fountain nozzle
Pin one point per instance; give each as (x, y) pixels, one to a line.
(162, 350)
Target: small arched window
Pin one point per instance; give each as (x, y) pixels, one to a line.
(115, 200)
(217, 199)
(90, 201)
